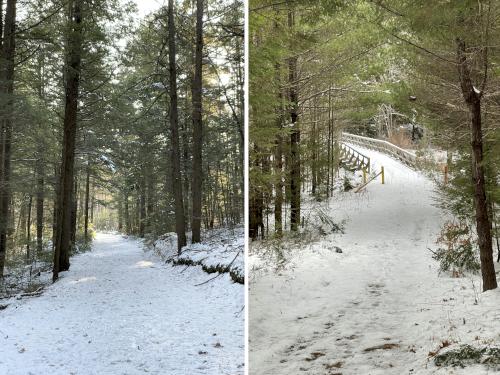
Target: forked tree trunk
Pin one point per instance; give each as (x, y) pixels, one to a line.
(180, 220)
(472, 97)
(196, 187)
(65, 201)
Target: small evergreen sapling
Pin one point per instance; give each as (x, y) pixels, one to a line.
(457, 253)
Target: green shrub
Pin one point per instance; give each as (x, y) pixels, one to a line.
(469, 355)
(457, 253)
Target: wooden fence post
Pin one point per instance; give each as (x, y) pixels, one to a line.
(382, 173)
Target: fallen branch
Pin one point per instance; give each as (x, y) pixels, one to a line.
(37, 292)
(228, 268)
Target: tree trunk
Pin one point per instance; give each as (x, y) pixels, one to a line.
(180, 221)
(28, 229)
(278, 199)
(7, 54)
(40, 186)
(294, 139)
(74, 214)
(314, 155)
(142, 207)
(329, 148)
(186, 159)
(472, 97)
(40, 162)
(55, 209)
(150, 206)
(196, 187)
(256, 224)
(65, 202)
(128, 228)
(278, 159)
(120, 215)
(137, 216)
(87, 199)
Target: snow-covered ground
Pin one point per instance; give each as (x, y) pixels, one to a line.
(120, 310)
(380, 306)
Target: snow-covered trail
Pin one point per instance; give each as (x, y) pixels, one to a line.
(328, 312)
(120, 310)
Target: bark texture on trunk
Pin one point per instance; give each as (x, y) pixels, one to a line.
(7, 55)
(120, 215)
(278, 199)
(40, 192)
(180, 220)
(87, 201)
(142, 207)
(472, 97)
(196, 187)
(65, 199)
(256, 224)
(28, 228)
(128, 226)
(74, 215)
(294, 139)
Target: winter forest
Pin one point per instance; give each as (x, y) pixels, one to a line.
(121, 156)
(373, 187)
(249, 187)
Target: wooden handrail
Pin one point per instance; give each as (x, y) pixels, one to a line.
(403, 155)
(362, 161)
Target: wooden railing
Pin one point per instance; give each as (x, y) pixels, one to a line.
(354, 157)
(404, 156)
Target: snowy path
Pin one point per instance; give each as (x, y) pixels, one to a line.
(120, 310)
(327, 313)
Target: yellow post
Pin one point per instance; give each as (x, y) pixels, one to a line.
(382, 173)
(364, 175)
